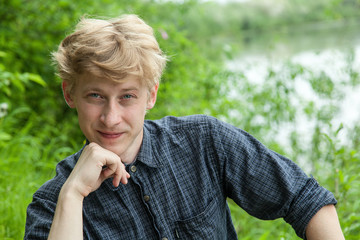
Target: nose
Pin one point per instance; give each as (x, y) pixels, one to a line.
(111, 114)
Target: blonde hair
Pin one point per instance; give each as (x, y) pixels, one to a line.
(111, 49)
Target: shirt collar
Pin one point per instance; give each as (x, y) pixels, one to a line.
(149, 154)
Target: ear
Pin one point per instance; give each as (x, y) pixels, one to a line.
(152, 97)
(67, 95)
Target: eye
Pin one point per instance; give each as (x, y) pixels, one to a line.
(127, 96)
(94, 95)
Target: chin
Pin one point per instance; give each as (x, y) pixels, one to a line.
(115, 149)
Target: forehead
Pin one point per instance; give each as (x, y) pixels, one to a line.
(86, 81)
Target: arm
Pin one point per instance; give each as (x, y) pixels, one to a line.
(67, 222)
(324, 225)
(265, 184)
(86, 177)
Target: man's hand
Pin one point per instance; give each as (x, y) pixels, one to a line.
(95, 165)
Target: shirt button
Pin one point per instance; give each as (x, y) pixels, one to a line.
(133, 168)
(146, 198)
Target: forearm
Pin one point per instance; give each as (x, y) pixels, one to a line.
(67, 222)
(324, 225)
(87, 176)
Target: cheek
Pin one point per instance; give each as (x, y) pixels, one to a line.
(135, 116)
(88, 113)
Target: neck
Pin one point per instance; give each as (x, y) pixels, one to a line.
(130, 154)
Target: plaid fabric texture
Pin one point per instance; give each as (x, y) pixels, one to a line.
(186, 169)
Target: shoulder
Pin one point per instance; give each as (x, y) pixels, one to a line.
(195, 124)
(171, 123)
(173, 131)
(194, 128)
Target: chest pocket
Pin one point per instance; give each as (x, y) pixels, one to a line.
(207, 225)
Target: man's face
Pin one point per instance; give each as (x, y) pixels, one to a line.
(112, 114)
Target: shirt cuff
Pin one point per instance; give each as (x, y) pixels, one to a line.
(311, 199)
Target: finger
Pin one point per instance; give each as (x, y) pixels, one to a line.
(125, 177)
(118, 173)
(108, 173)
(116, 179)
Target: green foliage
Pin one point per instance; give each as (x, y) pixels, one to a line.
(265, 108)
(37, 129)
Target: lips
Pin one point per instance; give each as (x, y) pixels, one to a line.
(110, 135)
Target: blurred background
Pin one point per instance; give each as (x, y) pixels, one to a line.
(285, 71)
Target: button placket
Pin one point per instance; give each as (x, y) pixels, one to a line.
(146, 196)
(134, 169)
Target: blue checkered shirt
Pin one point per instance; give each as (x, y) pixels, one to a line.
(186, 169)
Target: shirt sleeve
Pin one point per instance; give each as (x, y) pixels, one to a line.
(40, 214)
(41, 210)
(264, 183)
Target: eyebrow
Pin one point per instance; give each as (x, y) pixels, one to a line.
(130, 89)
(87, 89)
(97, 89)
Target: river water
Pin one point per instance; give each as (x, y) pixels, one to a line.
(331, 50)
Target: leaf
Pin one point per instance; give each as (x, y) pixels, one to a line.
(265, 235)
(341, 176)
(2, 54)
(16, 81)
(36, 78)
(4, 136)
(341, 126)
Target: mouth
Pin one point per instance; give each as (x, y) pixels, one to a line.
(110, 135)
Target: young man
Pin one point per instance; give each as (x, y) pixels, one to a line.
(176, 173)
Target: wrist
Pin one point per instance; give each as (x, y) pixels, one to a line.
(69, 192)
